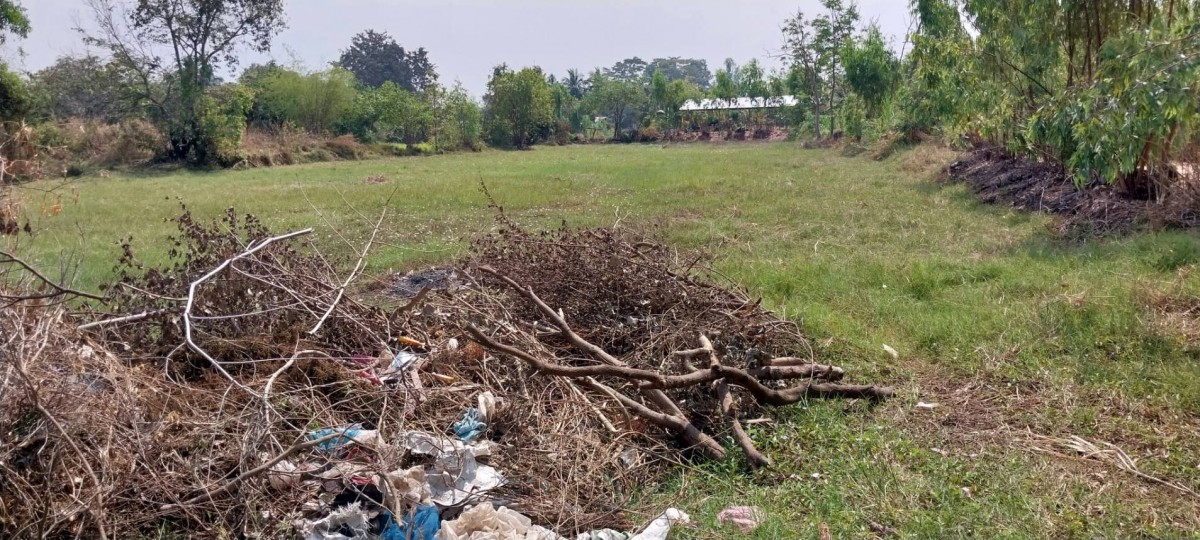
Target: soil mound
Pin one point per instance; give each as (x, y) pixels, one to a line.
(998, 177)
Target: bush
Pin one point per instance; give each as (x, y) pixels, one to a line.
(562, 133)
(345, 147)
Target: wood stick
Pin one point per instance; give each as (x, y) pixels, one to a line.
(358, 267)
(753, 457)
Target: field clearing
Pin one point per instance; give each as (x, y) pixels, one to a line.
(1016, 335)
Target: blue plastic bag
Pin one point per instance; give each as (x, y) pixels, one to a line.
(423, 524)
(471, 425)
(348, 434)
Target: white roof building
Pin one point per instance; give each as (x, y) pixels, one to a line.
(740, 103)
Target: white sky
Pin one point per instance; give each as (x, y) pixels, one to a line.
(465, 38)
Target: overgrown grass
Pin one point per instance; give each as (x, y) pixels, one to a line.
(1013, 332)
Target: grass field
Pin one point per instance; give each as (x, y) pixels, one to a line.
(1022, 339)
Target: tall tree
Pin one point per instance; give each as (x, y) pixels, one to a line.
(617, 99)
(376, 58)
(872, 70)
(519, 106)
(15, 100)
(832, 30)
(693, 70)
(81, 87)
(816, 48)
(13, 20)
(195, 37)
(628, 70)
(576, 83)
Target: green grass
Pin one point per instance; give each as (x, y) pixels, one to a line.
(1013, 331)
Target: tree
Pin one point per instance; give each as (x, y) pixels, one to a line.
(615, 98)
(402, 115)
(15, 101)
(575, 83)
(751, 80)
(725, 88)
(831, 32)
(872, 70)
(195, 37)
(461, 120)
(315, 101)
(519, 106)
(693, 70)
(13, 20)
(375, 58)
(628, 70)
(668, 97)
(815, 47)
(805, 75)
(81, 87)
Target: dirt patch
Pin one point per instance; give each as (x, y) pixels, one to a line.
(998, 177)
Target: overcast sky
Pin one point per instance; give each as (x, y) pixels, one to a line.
(465, 38)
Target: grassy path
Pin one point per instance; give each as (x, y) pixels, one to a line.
(1015, 334)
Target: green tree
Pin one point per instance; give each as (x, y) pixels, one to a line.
(668, 97)
(619, 100)
(197, 37)
(628, 70)
(815, 46)
(15, 100)
(13, 20)
(693, 70)
(576, 83)
(81, 87)
(872, 70)
(725, 88)
(520, 107)
(461, 120)
(375, 58)
(315, 101)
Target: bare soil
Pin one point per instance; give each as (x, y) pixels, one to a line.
(998, 177)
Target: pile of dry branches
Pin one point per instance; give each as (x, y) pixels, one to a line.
(610, 357)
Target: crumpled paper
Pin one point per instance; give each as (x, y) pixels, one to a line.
(486, 522)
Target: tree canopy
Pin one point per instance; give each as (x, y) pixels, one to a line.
(376, 58)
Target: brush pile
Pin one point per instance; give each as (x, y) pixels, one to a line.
(245, 391)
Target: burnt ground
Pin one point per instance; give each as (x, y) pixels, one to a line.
(998, 177)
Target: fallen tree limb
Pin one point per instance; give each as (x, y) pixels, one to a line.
(753, 457)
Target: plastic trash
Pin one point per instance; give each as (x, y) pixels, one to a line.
(471, 426)
(408, 486)
(486, 522)
(747, 518)
(487, 405)
(455, 475)
(422, 524)
(661, 526)
(351, 518)
(353, 433)
(603, 534)
(402, 361)
(284, 474)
